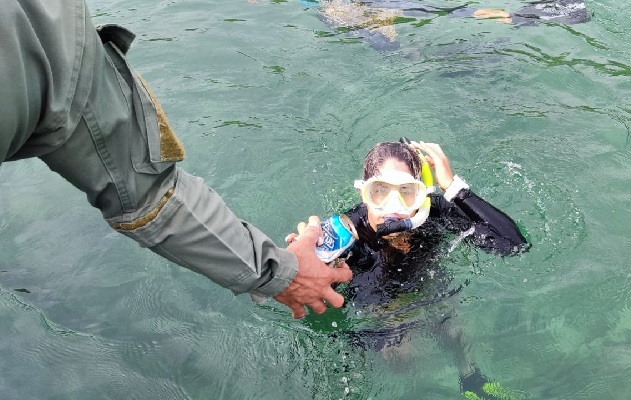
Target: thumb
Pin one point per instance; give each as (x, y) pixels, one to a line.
(312, 232)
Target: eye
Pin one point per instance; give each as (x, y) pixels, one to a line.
(380, 188)
(407, 190)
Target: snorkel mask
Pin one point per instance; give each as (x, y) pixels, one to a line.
(399, 193)
(393, 192)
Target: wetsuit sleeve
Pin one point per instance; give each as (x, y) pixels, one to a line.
(493, 230)
(557, 11)
(92, 119)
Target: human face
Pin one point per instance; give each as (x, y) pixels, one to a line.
(375, 216)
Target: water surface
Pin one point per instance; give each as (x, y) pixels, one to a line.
(277, 110)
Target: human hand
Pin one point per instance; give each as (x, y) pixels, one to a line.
(312, 284)
(438, 161)
(493, 13)
(292, 237)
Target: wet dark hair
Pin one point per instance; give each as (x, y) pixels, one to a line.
(386, 150)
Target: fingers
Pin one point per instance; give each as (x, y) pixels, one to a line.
(439, 162)
(434, 154)
(333, 298)
(428, 149)
(298, 311)
(432, 149)
(318, 307)
(311, 231)
(309, 234)
(430, 160)
(342, 265)
(312, 284)
(307, 229)
(416, 145)
(341, 274)
(317, 298)
(314, 221)
(291, 237)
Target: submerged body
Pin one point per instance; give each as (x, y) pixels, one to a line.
(401, 274)
(374, 21)
(400, 279)
(559, 11)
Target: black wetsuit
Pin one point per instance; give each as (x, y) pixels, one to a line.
(561, 11)
(384, 275)
(558, 11)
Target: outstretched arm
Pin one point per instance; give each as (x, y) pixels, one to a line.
(73, 100)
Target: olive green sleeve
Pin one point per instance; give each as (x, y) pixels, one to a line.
(197, 230)
(70, 98)
(42, 49)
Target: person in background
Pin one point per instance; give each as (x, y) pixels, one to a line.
(70, 98)
(404, 229)
(374, 20)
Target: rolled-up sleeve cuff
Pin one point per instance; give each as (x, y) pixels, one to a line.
(285, 273)
(456, 186)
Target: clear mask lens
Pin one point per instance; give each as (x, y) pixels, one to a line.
(378, 192)
(394, 198)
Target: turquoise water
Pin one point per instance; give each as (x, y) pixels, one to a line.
(277, 110)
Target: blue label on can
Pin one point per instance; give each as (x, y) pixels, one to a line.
(337, 238)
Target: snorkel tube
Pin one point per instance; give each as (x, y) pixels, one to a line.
(393, 225)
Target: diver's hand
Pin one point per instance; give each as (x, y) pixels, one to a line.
(438, 161)
(493, 13)
(312, 284)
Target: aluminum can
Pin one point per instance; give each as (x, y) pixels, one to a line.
(339, 235)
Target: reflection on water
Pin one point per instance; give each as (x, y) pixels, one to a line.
(277, 108)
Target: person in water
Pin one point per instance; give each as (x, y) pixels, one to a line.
(397, 187)
(403, 229)
(374, 20)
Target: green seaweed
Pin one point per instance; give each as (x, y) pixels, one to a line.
(472, 396)
(496, 390)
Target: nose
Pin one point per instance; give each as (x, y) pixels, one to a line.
(393, 204)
